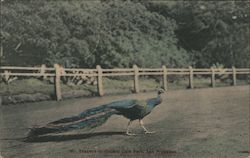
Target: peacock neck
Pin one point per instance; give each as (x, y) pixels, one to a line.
(154, 101)
(159, 98)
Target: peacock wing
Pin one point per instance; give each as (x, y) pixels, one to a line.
(122, 104)
(137, 110)
(140, 105)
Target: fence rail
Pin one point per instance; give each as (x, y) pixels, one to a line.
(6, 72)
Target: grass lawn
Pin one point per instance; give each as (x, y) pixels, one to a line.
(32, 89)
(111, 86)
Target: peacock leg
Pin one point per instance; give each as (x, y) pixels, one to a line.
(144, 128)
(128, 133)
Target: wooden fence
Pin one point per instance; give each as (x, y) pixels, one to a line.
(57, 72)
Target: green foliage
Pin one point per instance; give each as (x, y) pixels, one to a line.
(211, 31)
(120, 33)
(87, 33)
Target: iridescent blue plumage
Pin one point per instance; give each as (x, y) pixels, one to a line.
(154, 101)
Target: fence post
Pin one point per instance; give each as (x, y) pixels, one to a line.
(99, 78)
(164, 79)
(43, 67)
(6, 75)
(136, 79)
(234, 76)
(213, 77)
(57, 82)
(191, 76)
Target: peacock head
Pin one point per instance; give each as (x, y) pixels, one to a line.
(160, 91)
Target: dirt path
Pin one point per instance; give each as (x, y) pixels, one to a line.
(209, 122)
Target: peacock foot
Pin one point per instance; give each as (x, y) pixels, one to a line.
(149, 132)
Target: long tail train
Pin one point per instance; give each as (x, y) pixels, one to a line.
(90, 118)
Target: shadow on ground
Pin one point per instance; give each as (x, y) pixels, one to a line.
(61, 138)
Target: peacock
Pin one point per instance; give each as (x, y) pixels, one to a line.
(132, 109)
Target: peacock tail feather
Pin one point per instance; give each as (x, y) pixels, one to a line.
(88, 119)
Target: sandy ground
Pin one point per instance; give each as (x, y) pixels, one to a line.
(205, 123)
